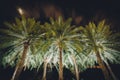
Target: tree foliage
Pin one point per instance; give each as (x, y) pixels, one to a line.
(13, 37)
(77, 45)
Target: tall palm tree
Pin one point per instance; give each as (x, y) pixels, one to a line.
(21, 41)
(61, 35)
(100, 43)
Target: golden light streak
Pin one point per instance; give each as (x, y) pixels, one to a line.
(20, 10)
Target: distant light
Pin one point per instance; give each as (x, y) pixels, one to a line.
(20, 10)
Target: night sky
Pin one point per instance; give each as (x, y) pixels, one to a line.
(80, 10)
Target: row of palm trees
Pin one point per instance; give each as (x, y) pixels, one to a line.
(28, 44)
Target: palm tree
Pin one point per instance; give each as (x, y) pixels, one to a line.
(45, 69)
(100, 43)
(61, 36)
(21, 41)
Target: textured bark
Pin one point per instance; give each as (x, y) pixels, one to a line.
(103, 67)
(111, 72)
(60, 65)
(20, 64)
(45, 69)
(76, 67)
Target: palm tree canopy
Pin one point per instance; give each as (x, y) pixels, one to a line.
(100, 37)
(13, 37)
(62, 34)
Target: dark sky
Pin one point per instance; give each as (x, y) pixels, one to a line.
(109, 9)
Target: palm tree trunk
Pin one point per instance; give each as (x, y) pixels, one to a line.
(60, 65)
(76, 67)
(20, 64)
(111, 72)
(103, 67)
(45, 69)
